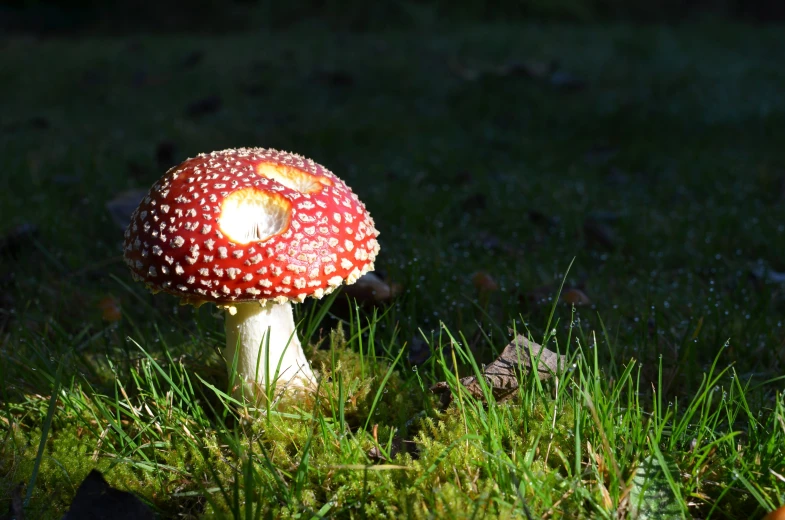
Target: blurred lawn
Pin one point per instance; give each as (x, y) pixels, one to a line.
(673, 143)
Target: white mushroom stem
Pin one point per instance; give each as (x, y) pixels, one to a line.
(246, 338)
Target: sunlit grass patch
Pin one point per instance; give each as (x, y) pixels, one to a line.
(570, 446)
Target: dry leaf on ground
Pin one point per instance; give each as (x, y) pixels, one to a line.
(110, 309)
(371, 289)
(484, 282)
(95, 498)
(575, 297)
(544, 294)
(518, 358)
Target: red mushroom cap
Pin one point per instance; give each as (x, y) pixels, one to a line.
(249, 224)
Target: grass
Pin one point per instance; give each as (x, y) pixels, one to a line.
(662, 178)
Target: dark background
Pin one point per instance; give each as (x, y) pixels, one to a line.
(53, 16)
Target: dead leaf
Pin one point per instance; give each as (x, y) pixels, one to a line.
(571, 294)
(95, 498)
(371, 289)
(518, 358)
(575, 297)
(204, 106)
(484, 283)
(122, 205)
(110, 309)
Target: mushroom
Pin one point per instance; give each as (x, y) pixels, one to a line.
(252, 230)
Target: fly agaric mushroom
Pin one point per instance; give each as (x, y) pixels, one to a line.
(252, 230)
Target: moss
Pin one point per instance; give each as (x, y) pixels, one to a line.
(152, 471)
